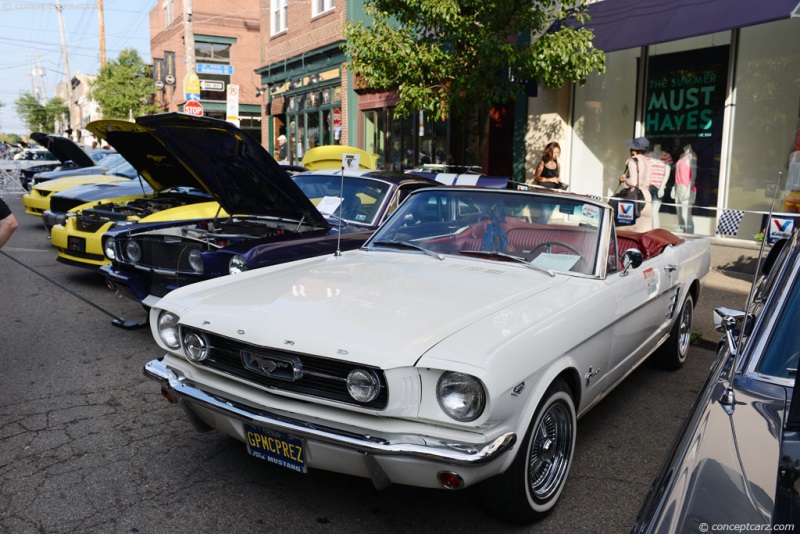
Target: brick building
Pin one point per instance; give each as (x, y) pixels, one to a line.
(226, 51)
(303, 74)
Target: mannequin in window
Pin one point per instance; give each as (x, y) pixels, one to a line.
(660, 170)
(685, 191)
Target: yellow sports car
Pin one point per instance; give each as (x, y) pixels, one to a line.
(38, 200)
(179, 195)
(79, 239)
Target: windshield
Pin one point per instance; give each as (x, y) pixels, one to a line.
(554, 232)
(359, 201)
(105, 159)
(123, 169)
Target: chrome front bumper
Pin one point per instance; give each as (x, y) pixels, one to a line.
(414, 446)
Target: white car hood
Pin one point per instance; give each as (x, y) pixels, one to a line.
(376, 308)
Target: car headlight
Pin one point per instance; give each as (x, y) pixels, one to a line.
(196, 347)
(237, 265)
(108, 249)
(363, 385)
(460, 396)
(168, 329)
(196, 261)
(133, 251)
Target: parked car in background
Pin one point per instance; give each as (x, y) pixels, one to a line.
(106, 161)
(274, 222)
(457, 347)
(37, 201)
(28, 157)
(62, 203)
(329, 157)
(68, 155)
(736, 459)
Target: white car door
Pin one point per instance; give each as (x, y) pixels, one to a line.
(645, 299)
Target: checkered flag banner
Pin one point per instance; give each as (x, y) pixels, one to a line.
(729, 222)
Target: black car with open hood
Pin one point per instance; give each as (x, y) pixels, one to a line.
(175, 149)
(66, 151)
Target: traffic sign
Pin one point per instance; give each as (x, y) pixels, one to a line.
(169, 79)
(212, 85)
(193, 107)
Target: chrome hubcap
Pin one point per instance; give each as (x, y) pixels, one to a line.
(685, 330)
(550, 451)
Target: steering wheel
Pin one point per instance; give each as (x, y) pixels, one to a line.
(549, 247)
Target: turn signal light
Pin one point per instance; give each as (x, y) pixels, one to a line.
(450, 480)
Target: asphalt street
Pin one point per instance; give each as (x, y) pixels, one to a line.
(87, 444)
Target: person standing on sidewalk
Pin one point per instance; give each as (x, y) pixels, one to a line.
(8, 223)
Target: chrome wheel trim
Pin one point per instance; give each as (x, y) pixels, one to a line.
(550, 451)
(685, 329)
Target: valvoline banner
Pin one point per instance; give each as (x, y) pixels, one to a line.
(780, 227)
(626, 213)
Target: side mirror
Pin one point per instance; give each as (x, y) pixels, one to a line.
(631, 258)
(769, 261)
(733, 323)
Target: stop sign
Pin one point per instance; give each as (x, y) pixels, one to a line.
(193, 107)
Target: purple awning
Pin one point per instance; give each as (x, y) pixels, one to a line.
(621, 24)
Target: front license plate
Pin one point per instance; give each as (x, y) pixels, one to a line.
(276, 447)
(77, 244)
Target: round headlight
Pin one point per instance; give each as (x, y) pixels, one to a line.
(363, 385)
(460, 396)
(196, 346)
(168, 329)
(133, 251)
(196, 261)
(108, 249)
(237, 265)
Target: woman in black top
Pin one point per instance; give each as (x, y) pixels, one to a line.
(549, 170)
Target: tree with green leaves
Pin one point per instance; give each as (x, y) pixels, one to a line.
(41, 117)
(446, 56)
(124, 87)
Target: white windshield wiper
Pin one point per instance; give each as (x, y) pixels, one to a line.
(407, 245)
(495, 254)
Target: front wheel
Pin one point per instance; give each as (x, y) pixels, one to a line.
(533, 483)
(672, 354)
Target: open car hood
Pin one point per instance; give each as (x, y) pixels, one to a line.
(173, 149)
(64, 149)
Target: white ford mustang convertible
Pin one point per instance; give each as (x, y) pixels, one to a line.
(458, 346)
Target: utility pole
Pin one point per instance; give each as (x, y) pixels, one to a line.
(66, 65)
(102, 23)
(188, 36)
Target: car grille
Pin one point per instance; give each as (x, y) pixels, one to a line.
(63, 205)
(171, 254)
(318, 377)
(89, 224)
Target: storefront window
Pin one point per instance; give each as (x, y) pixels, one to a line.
(605, 116)
(314, 119)
(765, 121)
(684, 115)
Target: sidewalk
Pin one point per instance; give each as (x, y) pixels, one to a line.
(733, 264)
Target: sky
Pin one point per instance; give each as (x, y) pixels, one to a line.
(29, 31)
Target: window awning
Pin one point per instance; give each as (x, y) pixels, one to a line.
(622, 24)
